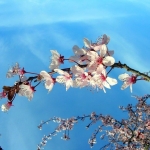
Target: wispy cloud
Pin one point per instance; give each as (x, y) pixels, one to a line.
(142, 4)
(34, 12)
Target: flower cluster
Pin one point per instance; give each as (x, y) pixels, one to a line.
(90, 69)
(132, 133)
(64, 125)
(91, 66)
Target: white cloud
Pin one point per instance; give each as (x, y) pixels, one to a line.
(34, 12)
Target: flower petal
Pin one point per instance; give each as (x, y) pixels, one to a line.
(108, 61)
(103, 50)
(110, 53)
(105, 39)
(78, 51)
(106, 84)
(49, 85)
(59, 71)
(86, 42)
(76, 70)
(125, 85)
(68, 84)
(54, 53)
(111, 81)
(123, 77)
(97, 48)
(60, 79)
(131, 88)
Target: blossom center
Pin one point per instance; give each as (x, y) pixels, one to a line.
(61, 59)
(133, 79)
(83, 76)
(102, 77)
(32, 88)
(22, 71)
(99, 60)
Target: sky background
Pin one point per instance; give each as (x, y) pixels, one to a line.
(29, 29)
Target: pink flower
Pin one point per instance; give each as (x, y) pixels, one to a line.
(6, 107)
(26, 90)
(97, 59)
(80, 55)
(81, 77)
(100, 44)
(128, 80)
(64, 78)
(139, 135)
(103, 40)
(15, 70)
(49, 81)
(147, 125)
(56, 60)
(102, 80)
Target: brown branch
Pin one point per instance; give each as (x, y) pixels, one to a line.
(124, 66)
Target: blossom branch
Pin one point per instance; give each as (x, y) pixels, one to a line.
(125, 134)
(129, 69)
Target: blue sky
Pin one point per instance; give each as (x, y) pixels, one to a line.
(30, 29)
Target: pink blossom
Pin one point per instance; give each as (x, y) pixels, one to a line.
(26, 90)
(99, 59)
(15, 70)
(102, 80)
(100, 44)
(80, 55)
(64, 77)
(128, 80)
(56, 60)
(81, 77)
(147, 125)
(103, 40)
(49, 81)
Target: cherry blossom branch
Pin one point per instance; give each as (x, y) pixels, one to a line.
(90, 69)
(129, 69)
(126, 134)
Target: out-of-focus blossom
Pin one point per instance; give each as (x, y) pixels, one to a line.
(128, 80)
(103, 40)
(49, 81)
(26, 90)
(6, 107)
(15, 70)
(147, 125)
(56, 60)
(64, 78)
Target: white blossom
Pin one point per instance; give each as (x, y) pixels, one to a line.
(15, 70)
(26, 90)
(128, 80)
(6, 107)
(81, 77)
(56, 60)
(64, 78)
(49, 81)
